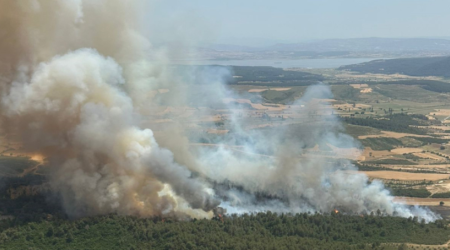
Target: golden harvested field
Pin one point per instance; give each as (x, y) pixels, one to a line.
(391, 135)
(406, 150)
(441, 112)
(437, 166)
(404, 176)
(422, 201)
(431, 156)
(442, 187)
(375, 154)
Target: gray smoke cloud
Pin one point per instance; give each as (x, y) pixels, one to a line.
(82, 86)
(276, 170)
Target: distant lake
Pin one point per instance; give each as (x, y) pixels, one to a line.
(299, 63)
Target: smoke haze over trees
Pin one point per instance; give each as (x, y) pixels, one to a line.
(82, 77)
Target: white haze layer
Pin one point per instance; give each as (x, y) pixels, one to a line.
(75, 78)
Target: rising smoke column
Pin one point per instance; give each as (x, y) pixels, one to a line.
(76, 74)
(76, 106)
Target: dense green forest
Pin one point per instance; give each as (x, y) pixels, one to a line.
(270, 76)
(38, 222)
(254, 231)
(395, 122)
(411, 192)
(247, 75)
(441, 195)
(426, 66)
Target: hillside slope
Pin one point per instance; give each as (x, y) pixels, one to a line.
(427, 66)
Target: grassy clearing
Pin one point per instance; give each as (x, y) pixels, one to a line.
(355, 130)
(345, 92)
(282, 97)
(381, 143)
(411, 142)
(409, 93)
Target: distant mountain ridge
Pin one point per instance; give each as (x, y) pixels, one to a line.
(353, 44)
(427, 66)
(369, 44)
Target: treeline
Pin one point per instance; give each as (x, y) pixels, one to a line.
(365, 167)
(411, 192)
(381, 143)
(396, 122)
(268, 76)
(391, 162)
(387, 143)
(426, 66)
(246, 75)
(254, 231)
(428, 140)
(441, 195)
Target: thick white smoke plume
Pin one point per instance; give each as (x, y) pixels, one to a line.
(76, 106)
(77, 81)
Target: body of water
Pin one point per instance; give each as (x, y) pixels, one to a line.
(299, 63)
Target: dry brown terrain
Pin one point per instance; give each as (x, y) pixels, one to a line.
(406, 150)
(440, 187)
(431, 156)
(369, 153)
(406, 176)
(422, 201)
(441, 112)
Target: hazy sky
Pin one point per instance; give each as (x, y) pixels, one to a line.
(297, 20)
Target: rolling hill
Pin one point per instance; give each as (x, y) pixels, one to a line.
(426, 66)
